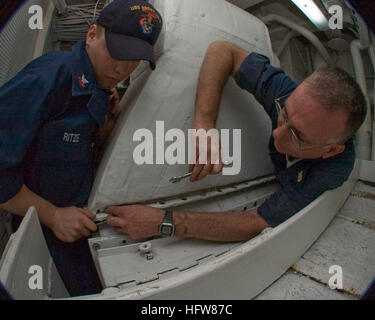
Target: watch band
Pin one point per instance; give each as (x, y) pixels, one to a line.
(168, 216)
(166, 228)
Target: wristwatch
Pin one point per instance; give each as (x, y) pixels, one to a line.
(166, 228)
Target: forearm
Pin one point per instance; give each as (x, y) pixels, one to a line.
(25, 198)
(142, 222)
(219, 226)
(215, 70)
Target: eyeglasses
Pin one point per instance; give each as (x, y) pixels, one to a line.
(284, 120)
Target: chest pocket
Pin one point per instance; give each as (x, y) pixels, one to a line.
(67, 140)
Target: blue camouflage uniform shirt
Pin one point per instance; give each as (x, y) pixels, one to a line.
(50, 113)
(304, 181)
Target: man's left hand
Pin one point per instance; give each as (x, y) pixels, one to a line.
(114, 99)
(112, 114)
(138, 221)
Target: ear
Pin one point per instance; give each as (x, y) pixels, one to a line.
(91, 34)
(333, 150)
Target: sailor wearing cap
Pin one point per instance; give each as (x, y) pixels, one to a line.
(53, 114)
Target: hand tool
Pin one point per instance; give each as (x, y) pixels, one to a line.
(178, 178)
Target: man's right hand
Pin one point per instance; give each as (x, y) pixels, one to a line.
(222, 60)
(211, 153)
(72, 223)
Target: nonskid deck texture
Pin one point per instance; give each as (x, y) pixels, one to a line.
(348, 242)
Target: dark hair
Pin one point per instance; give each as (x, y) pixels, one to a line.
(336, 90)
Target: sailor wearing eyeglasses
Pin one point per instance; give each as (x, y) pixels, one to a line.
(311, 145)
(313, 123)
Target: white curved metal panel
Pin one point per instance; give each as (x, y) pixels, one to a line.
(19, 43)
(168, 94)
(246, 270)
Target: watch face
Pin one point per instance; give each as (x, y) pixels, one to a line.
(166, 229)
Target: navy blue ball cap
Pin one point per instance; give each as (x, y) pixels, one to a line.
(132, 27)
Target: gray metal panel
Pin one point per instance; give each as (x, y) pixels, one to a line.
(27, 248)
(126, 264)
(367, 172)
(5, 229)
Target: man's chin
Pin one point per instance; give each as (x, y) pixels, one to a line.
(285, 151)
(106, 85)
(279, 148)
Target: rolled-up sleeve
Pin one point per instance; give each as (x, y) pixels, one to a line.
(263, 80)
(283, 204)
(22, 100)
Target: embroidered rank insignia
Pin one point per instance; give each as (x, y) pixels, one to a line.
(82, 81)
(300, 176)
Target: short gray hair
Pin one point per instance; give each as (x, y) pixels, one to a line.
(336, 90)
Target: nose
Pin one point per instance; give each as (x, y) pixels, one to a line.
(125, 68)
(121, 68)
(281, 132)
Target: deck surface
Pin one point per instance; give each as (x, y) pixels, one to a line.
(348, 242)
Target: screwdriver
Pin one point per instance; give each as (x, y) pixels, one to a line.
(178, 178)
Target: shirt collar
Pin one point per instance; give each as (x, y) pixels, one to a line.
(291, 161)
(84, 83)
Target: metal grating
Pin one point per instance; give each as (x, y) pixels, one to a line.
(7, 9)
(72, 25)
(17, 42)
